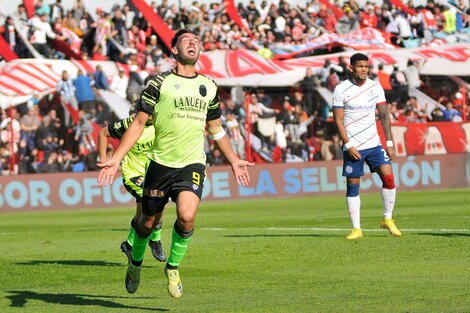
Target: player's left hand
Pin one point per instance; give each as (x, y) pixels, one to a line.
(240, 170)
(107, 171)
(391, 152)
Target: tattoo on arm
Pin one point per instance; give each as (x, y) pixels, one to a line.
(385, 121)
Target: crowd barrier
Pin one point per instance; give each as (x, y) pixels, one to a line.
(80, 191)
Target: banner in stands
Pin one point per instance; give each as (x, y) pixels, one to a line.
(430, 138)
(81, 190)
(20, 78)
(247, 68)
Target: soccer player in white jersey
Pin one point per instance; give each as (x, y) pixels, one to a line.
(354, 103)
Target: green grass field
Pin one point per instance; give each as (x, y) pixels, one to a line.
(270, 255)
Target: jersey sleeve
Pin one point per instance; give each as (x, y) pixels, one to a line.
(117, 129)
(213, 111)
(150, 95)
(338, 102)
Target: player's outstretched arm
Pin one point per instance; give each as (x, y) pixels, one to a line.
(109, 168)
(239, 167)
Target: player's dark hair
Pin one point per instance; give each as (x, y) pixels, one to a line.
(358, 57)
(174, 40)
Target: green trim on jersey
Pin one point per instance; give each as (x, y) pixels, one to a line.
(180, 107)
(135, 161)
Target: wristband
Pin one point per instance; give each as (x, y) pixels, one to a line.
(348, 145)
(389, 144)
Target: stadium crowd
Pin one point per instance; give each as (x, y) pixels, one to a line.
(40, 136)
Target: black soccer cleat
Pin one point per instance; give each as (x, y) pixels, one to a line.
(157, 250)
(127, 249)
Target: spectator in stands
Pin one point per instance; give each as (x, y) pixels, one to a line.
(29, 124)
(384, 80)
(119, 84)
(83, 89)
(11, 36)
(412, 75)
(84, 131)
(10, 122)
(290, 121)
(393, 112)
(332, 80)
(411, 115)
(264, 98)
(368, 18)
(348, 22)
(98, 55)
(404, 28)
(215, 158)
(41, 30)
(135, 84)
(308, 84)
(265, 52)
(66, 90)
(325, 71)
(236, 139)
(451, 114)
(100, 78)
(450, 20)
(399, 86)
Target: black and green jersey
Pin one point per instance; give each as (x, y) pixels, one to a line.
(135, 161)
(180, 107)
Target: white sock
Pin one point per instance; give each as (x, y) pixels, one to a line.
(388, 198)
(354, 207)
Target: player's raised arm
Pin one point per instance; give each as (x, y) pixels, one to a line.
(132, 134)
(239, 167)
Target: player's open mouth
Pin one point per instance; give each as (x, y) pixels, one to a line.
(191, 51)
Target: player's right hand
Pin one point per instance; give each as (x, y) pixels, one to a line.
(108, 170)
(354, 153)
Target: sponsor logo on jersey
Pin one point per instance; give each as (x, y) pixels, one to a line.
(177, 86)
(190, 103)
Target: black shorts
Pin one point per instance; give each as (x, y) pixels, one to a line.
(163, 182)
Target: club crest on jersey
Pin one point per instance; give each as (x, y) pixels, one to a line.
(195, 187)
(202, 90)
(177, 86)
(370, 94)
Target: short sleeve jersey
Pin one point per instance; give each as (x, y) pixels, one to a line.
(359, 103)
(181, 106)
(134, 163)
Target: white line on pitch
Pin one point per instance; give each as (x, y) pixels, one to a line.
(332, 229)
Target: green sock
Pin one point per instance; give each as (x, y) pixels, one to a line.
(156, 233)
(138, 248)
(130, 237)
(179, 245)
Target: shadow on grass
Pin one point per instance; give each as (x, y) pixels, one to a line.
(71, 262)
(281, 235)
(446, 234)
(19, 298)
(75, 263)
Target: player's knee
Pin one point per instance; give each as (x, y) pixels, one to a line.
(352, 190)
(143, 231)
(388, 181)
(182, 231)
(144, 227)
